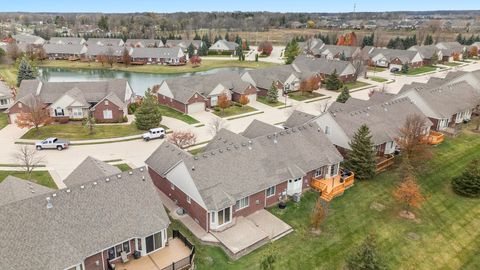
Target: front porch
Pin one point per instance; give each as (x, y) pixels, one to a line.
(333, 187)
(383, 162)
(177, 255)
(434, 138)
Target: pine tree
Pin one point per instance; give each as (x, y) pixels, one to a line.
(428, 40)
(405, 68)
(333, 82)
(361, 157)
(25, 72)
(148, 115)
(468, 183)
(272, 94)
(291, 51)
(344, 95)
(365, 256)
(434, 58)
(191, 50)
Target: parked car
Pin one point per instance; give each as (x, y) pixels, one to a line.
(154, 133)
(394, 70)
(52, 143)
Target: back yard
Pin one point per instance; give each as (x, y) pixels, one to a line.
(77, 132)
(445, 234)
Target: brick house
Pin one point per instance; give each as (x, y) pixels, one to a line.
(196, 93)
(308, 67)
(88, 226)
(148, 55)
(106, 100)
(230, 179)
(393, 58)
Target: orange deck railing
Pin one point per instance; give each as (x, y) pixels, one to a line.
(434, 138)
(384, 162)
(340, 184)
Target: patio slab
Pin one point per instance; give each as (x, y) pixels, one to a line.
(270, 224)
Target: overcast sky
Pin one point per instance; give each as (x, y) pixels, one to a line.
(124, 6)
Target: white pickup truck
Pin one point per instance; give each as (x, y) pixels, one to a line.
(154, 133)
(52, 143)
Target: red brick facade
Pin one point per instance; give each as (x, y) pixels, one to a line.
(117, 112)
(278, 191)
(91, 262)
(249, 91)
(172, 103)
(256, 202)
(263, 91)
(197, 212)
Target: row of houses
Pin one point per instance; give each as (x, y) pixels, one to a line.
(414, 57)
(196, 93)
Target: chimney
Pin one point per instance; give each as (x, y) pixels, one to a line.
(49, 203)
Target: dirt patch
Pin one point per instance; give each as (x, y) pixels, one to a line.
(413, 236)
(316, 231)
(377, 206)
(407, 215)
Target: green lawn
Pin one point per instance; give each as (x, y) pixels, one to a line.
(447, 224)
(234, 110)
(3, 120)
(169, 112)
(40, 177)
(451, 64)
(355, 85)
(206, 64)
(377, 79)
(123, 167)
(376, 69)
(196, 150)
(265, 101)
(77, 132)
(302, 96)
(9, 74)
(420, 70)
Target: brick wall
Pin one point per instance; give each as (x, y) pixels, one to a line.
(253, 205)
(196, 211)
(117, 112)
(278, 191)
(172, 103)
(90, 262)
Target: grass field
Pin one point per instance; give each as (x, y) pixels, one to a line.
(447, 225)
(356, 84)
(9, 74)
(419, 70)
(206, 65)
(123, 167)
(77, 132)
(301, 96)
(169, 112)
(452, 64)
(3, 120)
(40, 177)
(234, 110)
(377, 79)
(264, 101)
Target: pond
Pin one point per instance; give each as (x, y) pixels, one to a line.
(138, 81)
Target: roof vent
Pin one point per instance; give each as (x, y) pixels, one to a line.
(49, 203)
(193, 168)
(269, 136)
(82, 186)
(94, 183)
(311, 125)
(244, 144)
(250, 145)
(275, 137)
(204, 155)
(107, 180)
(195, 158)
(143, 177)
(54, 195)
(141, 169)
(213, 153)
(68, 190)
(220, 150)
(130, 172)
(119, 176)
(228, 148)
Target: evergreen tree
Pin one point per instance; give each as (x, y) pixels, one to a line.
(428, 40)
(227, 37)
(468, 183)
(344, 95)
(25, 71)
(291, 51)
(197, 37)
(103, 23)
(191, 50)
(405, 68)
(434, 58)
(365, 257)
(368, 40)
(148, 115)
(272, 93)
(361, 159)
(333, 82)
(343, 57)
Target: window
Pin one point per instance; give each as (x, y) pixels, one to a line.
(189, 200)
(333, 169)
(319, 172)
(242, 203)
(270, 191)
(153, 242)
(59, 112)
(327, 130)
(107, 114)
(106, 102)
(213, 217)
(115, 252)
(20, 105)
(223, 216)
(77, 112)
(172, 186)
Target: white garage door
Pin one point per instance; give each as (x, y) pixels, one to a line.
(196, 107)
(395, 66)
(252, 97)
(13, 117)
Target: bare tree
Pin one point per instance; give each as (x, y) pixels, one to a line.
(89, 122)
(412, 134)
(216, 124)
(322, 106)
(34, 115)
(182, 139)
(28, 158)
(13, 51)
(110, 56)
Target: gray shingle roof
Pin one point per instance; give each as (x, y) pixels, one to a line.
(105, 42)
(5, 91)
(406, 56)
(426, 51)
(95, 49)
(28, 39)
(384, 119)
(225, 138)
(81, 222)
(309, 66)
(155, 52)
(225, 175)
(14, 189)
(89, 169)
(264, 77)
(336, 49)
(298, 118)
(448, 48)
(183, 43)
(66, 40)
(311, 46)
(231, 46)
(258, 128)
(64, 48)
(93, 91)
(145, 43)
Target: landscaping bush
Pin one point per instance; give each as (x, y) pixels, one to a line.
(125, 119)
(132, 107)
(468, 183)
(216, 109)
(237, 104)
(213, 53)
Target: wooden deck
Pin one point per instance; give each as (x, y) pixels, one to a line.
(332, 187)
(434, 138)
(175, 252)
(383, 162)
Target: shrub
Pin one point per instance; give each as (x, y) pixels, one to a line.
(132, 107)
(468, 183)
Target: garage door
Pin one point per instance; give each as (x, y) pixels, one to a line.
(252, 97)
(395, 66)
(196, 107)
(13, 117)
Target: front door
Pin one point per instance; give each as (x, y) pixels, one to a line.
(294, 186)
